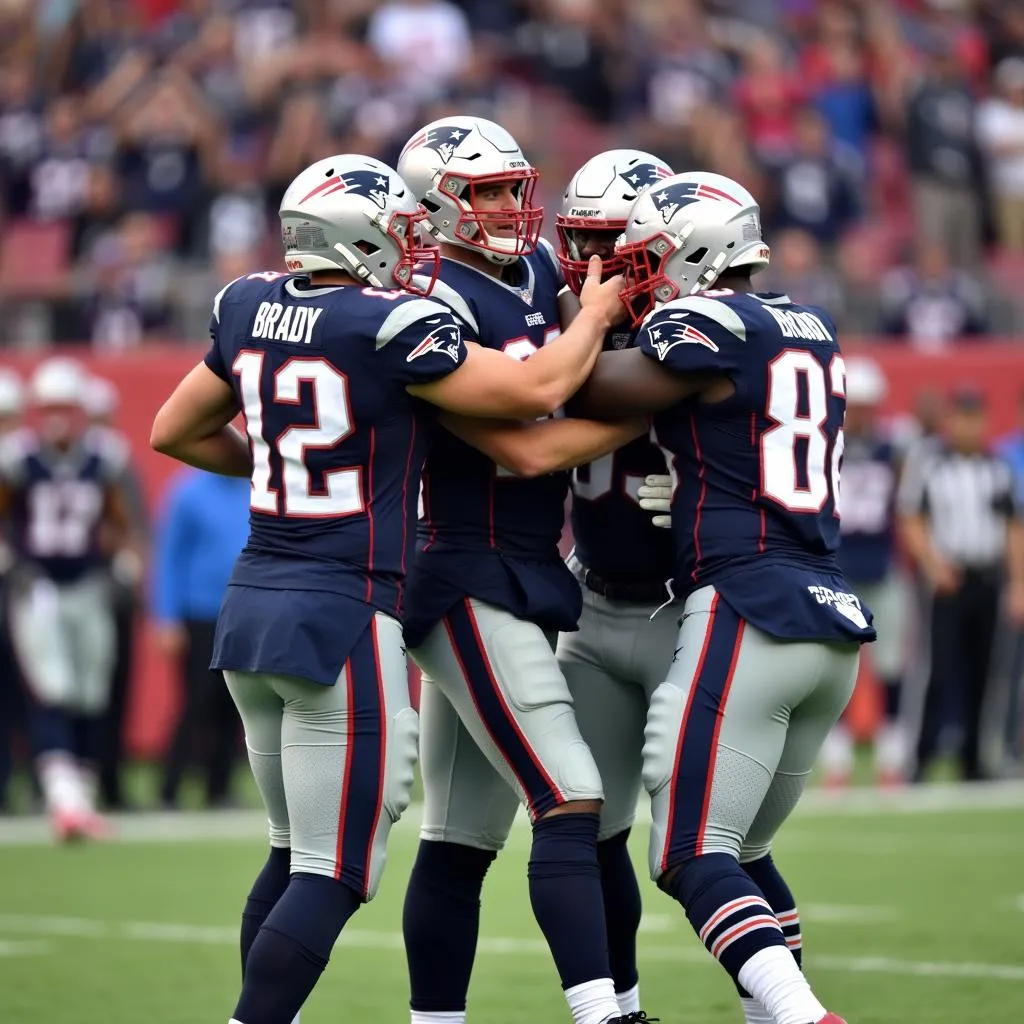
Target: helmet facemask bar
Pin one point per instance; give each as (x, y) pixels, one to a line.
(416, 260)
(479, 229)
(570, 248)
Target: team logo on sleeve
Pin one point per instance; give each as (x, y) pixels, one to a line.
(443, 139)
(444, 339)
(643, 176)
(672, 198)
(666, 334)
(372, 184)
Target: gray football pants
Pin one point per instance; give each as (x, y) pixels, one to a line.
(63, 638)
(498, 727)
(613, 665)
(334, 764)
(734, 731)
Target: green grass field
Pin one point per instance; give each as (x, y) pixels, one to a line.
(913, 909)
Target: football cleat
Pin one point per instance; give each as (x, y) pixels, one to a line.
(831, 1018)
(638, 1017)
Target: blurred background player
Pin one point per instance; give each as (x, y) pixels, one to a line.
(12, 402)
(867, 556)
(61, 485)
(126, 563)
(487, 594)
(625, 641)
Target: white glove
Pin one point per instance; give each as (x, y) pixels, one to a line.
(655, 495)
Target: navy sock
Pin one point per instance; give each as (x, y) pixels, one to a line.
(622, 908)
(565, 892)
(50, 730)
(292, 948)
(766, 877)
(87, 737)
(270, 884)
(727, 910)
(440, 923)
(892, 689)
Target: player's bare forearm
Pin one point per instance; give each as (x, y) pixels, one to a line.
(225, 452)
(628, 383)
(544, 446)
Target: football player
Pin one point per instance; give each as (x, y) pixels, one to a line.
(330, 370)
(61, 485)
(12, 402)
(749, 388)
(487, 595)
(867, 556)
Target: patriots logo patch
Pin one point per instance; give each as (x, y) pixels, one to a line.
(445, 340)
(671, 199)
(443, 139)
(373, 185)
(643, 176)
(666, 335)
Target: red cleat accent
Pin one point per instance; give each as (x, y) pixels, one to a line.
(94, 826)
(831, 1018)
(75, 826)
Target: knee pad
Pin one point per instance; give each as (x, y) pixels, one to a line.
(403, 749)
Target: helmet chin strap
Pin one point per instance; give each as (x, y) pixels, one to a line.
(356, 266)
(710, 274)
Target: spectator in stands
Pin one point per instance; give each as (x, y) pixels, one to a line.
(1001, 138)
(814, 188)
(931, 303)
(798, 270)
(942, 156)
(59, 180)
(963, 528)
(21, 135)
(768, 94)
(204, 525)
(100, 213)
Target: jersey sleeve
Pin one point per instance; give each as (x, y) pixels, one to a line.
(13, 451)
(114, 452)
(214, 357)
(694, 335)
(420, 341)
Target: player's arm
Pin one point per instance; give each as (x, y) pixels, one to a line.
(627, 383)
(914, 531)
(543, 446)
(194, 425)
(488, 383)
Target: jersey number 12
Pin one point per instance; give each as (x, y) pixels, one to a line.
(342, 493)
(801, 434)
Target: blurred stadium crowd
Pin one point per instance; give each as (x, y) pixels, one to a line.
(145, 144)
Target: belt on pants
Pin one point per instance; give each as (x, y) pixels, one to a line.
(630, 593)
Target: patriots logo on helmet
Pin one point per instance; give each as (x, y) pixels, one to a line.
(666, 335)
(671, 199)
(374, 185)
(643, 176)
(443, 139)
(444, 339)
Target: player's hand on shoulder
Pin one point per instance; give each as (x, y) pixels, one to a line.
(655, 495)
(603, 297)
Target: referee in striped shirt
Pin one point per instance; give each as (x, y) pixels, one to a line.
(961, 524)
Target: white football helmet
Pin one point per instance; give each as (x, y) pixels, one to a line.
(865, 381)
(100, 398)
(12, 396)
(683, 233)
(449, 161)
(599, 198)
(58, 381)
(355, 214)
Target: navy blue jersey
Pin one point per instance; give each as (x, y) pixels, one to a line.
(58, 499)
(754, 510)
(869, 508)
(613, 535)
(338, 443)
(486, 533)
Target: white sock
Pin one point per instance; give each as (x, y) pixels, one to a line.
(629, 1001)
(593, 1002)
(448, 1017)
(837, 752)
(890, 749)
(771, 976)
(755, 1013)
(295, 1020)
(89, 781)
(62, 785)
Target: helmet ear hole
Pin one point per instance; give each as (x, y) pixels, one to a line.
(367, 248)
(697, 256)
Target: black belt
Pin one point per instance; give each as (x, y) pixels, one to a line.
(631, 593)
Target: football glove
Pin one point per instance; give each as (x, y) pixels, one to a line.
(656, 496)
